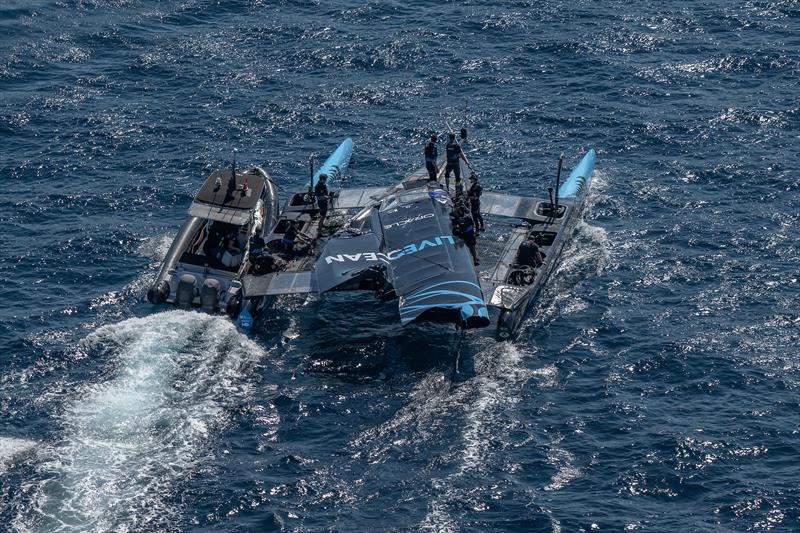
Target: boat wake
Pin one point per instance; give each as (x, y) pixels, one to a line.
(127, 442)
(502, 372)
(460, 483)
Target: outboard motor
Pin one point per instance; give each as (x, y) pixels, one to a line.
(185, 293)
(233, 305)
(158, 293)
(209, 295)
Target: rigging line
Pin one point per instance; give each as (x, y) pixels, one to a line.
(459, 344)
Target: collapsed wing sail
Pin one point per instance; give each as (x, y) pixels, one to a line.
(349, 263)
(409, 247)
(430, 269)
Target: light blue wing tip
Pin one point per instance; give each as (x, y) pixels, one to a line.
(337, 162)
(580, 177)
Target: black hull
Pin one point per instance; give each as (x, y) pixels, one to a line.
(510, 320)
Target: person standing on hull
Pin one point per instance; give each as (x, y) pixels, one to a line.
(475, 191)
(431, 155)
(454, 155)
(322, 195)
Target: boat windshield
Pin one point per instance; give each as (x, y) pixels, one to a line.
(217, 244)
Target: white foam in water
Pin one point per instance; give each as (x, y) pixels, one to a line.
(155, 247)
(11, 448)
(590, 247)
(566, 471)
(501, 373)
(498, 382)
(128, 440)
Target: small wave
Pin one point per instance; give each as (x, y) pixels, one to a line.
(718, 66)
(566, 471)
(114, 301)
(128, 441)
(11, 448)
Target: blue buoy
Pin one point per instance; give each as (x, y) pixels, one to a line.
(245, 320)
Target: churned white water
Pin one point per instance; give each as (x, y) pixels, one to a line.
(11, 448)
(129, 440)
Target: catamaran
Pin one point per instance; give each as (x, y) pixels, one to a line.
(396, 241)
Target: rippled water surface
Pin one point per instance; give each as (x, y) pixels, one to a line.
(655, 388)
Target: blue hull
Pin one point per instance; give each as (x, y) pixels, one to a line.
(579, 178)
(336, 164)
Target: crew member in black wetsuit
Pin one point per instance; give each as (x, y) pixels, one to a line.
(290, 240)
(475, 191)
(322, 196)
(464, 227)
(454, 154)
(529, 254)
(431, 154)
(261, 260)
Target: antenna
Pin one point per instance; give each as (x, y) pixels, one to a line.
(232, 182)
(558, 181)
(311, 179)
(233, 165)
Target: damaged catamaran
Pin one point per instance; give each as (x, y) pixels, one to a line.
(237, 248)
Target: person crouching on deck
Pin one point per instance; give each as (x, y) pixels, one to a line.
(295, 242)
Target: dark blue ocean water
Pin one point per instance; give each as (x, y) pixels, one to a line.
(655, 388)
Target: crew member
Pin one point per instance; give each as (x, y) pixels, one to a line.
(529, 254)
(322, 195)
(431, 154)
(291, 237)
(263, 262)
(232, 256)
(464, 227)
(454, 155)
(475, 191)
